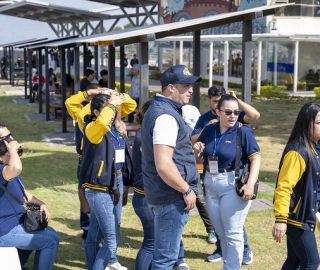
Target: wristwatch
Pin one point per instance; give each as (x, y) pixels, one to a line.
(187, 192)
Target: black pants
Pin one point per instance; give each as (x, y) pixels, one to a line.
(202, 207)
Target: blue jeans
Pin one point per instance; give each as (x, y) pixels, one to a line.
(45, 243)
(169, 222)
(102, 224)
(228, 213)
(302, 250)
(118, 216)
(145, 254)
(84, 218)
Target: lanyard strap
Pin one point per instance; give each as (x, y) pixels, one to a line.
(215, 140)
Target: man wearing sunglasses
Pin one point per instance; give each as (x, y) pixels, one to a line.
(247, 115)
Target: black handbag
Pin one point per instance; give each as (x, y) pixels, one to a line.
(33, 218)
(240, 181)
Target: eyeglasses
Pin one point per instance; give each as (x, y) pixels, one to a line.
(229, 112)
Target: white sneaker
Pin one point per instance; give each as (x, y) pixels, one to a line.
(115, 266)
(182, 266)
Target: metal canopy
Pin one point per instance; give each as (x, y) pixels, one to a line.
(62, 20)
(50, 13)
(128, 3)
(18, 42)
(148, 6)
(151, 33)
(37, 45)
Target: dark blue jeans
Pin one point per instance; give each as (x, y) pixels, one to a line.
(169, 222)
(145, 254)
(302, 250)
(84, 218)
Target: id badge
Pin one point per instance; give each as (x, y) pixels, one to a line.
(119, 155)
(213, 164)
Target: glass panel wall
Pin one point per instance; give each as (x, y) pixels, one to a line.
(304, 8)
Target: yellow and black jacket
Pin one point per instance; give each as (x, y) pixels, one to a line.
(74, 105)
(98, 168)
(295, 197)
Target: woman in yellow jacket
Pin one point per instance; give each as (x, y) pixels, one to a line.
(297, 193)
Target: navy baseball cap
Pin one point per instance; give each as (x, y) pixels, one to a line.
(178, 74)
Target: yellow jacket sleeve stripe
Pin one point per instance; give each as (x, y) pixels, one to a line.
(293, 166)
(73, 104)
(127, 107)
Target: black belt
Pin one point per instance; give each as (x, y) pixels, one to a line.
(225, 170)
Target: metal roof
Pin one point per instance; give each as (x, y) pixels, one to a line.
(18, 42)
(43, 43)
(233, 37)
(150, 33)
(128, 3)
(50, 13)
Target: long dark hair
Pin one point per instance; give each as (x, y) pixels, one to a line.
(140, 114)
(300, 133)
(96, 104)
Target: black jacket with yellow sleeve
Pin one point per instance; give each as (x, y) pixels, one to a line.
(295, 197)
(98, 168)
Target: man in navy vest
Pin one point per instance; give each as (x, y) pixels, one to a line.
(170, 175)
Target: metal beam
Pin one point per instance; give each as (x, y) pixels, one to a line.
(47, 84)
(147, 12)
(196, 67)
(111, 66)
(122, 67)
(144, 73)
(246, 60)
(63, 89)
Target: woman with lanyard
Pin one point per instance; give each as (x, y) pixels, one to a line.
(106, 161)
(216, 148)
(297, 193)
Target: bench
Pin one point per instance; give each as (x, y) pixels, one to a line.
(9, 259)
(54, 107)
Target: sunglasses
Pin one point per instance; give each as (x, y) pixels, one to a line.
(229, 112)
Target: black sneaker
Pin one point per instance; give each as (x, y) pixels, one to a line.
(247, 256)
(216, 256)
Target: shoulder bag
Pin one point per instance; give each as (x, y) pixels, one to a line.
(33, 218)
(240, 181)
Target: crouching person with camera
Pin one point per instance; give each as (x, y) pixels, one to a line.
(18, 228)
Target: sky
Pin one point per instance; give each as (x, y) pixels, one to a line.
(17, 29)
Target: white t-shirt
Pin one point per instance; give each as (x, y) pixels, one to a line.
(191, 115)
(165, 130)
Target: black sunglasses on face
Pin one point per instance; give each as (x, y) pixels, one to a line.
(229, 112)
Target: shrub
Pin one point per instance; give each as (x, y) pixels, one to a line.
(273, 91)
(126, 86)
(317, 91)
(155, 75)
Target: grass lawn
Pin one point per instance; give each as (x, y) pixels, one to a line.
(49, 172)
